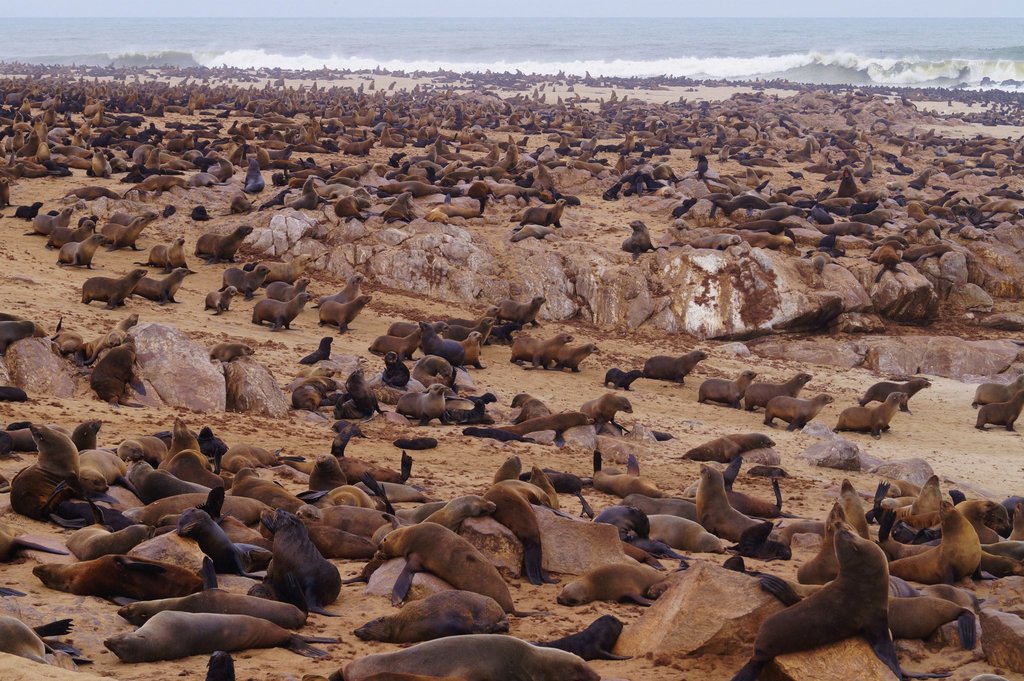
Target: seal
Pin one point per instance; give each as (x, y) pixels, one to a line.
(616, 583)
(989, 393)
(476, 656)
(520, 313)
(220, 301)
(621, 380)
(229, 352)
(957, 556)
(168, 256)
(161, 291)
(227, 557)
(714, 511)
(112, 291)
(623, 484)
(471, 349)
(280, 315)
(298, 573)
(513, 510)
(1001, 413)
(94, 541)
(794, 411)
(16, 330)
(723, 391)
(593, 643)
(665, 368)
(342, 314)
(452, 514)
(725, 449)
(545, 216)
(879, 391)
(350, 292)
(604, 408)
(247, 283)
(215, 248)
(395, 374)
(322, 352)
(405, 347)
(283, 291)
(125, 236)
(114, 576)
(80, 253)
(556, 422)
(432, 344)
(759, 394)
(217, 601)
(860, 593)
(172, 635)
(425, 407)
(540, 353)
(34, 488)
(430, 547)
(871, 420)
(448, 613)
(570, 357)
(683, 534)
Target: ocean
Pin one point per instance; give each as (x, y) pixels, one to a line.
(971, 53)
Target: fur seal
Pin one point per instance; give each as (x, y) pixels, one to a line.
(424, 406)
(794, 411)
(220, 300)
(879, 391)
(759, 394)
(436, 549)
(342, 314)
(395, 374)
(114, 575)
(172, 635)
(247, 283)
(217, 601)
(161, 291)
(125, 236)
(283, 291)
(868, 420)
(405, 347)
(227, 557)
(229, 352)
(957, 556)
(114, 373)
(1001, 413)
(540, 353)
(521, 313)
(621, 380)
(15, 330)
(168, 256)
(289, 271)
(614, 583)
(683, 534)
(34, 487)
(569, 357)
(350, 292)
(666, 368)
(593, 643)
(714, 511)
(448, 613)
(989, 393)
(298, 573)
(215, 248)
(280, 315)
(94, 541)
(727, 448)
(512, 509)
(860, 593)
(432, 344)
(112, 291)
(476, 656)
(604, 408)
(723, 391)
(80, 253)
(623, 484)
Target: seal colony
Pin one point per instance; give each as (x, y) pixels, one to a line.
(316, 525)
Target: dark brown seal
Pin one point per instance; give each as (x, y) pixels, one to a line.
(342, 314)
(161, 290)
(539, 353)
(216, 248)
(113, 576)
(1001, 413)
(247, 283)
(725, 449)
(794, 411)
(867, 420)
(114, 373)
(621, 380)
(723, 391)
(80, 253)
(448, 613)
(523, 313)
(879, 391)
(280, 315)
(759, 394)
(664, 368)
(298, 573)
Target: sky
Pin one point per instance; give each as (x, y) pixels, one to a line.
(516, 8)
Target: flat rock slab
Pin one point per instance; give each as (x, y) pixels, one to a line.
(848, 659)
(1002, 639)
(382, 582)
(575, 547)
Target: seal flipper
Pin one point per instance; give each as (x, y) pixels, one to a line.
(780, 588)
(378, 491)
(587, 510)
(214, 503)
(751, 670)
(58, 628)
(632, 466)
(967, 627)
(532, 564)
(406, 471)
(404, 581)
(731, 471)
(638, 599)
(605, 655)
(31, 546)
(876, 508)
(208, 573)
(311, 496)
(13, 593)
(300, 646)
(880, 640)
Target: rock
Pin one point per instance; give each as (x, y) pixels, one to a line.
(906, 296)
(851, 658)
(837, 452)
(706, 610)
(857, 322)
(35, 368)
(738, 349)
(424, 584)
(766, 456)
(971, 297)
(463, 382)
(14, 668)
(1004, 322)
(583, 437)
(946, 356)
(818, 429)
(820, 351)
(574, 547)
(286, 228)
(1002, 639)
(172, 549)
(916, 471)
(618, 449)
(806, 541)
(179, 368)
(395, 418)
(252, 388)
(496, 542)
(542, 437)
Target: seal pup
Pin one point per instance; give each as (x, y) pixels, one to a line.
(723, 391)
(220, 301)
(323, 352)
(111, 291)
(593, 643)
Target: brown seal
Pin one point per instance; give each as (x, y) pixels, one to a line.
(215, 248)
(298, 573)
(889, 257)
(988, 518)
(868, 420)
(125, 236)
(879, 391)
(113, 576)
(683, 534)
(32, 489)
(243, 508)
(1001, 413)
(513, 510)
(326, 474)
(220, 300)
(723, 391)
(623, 484)
(80, 253)
(401, 329)
(342, 314)
(727, 448)
(109, 290)
(167, 256)
(283, 291)
(289, 271)
(604, 408)
(114, 373)
(758, 394)
(161, 290)
(172, 635)
(247, 283)
(523, 313)
(452, 514)
(448, 613)
(217, 601)
(957, 556)
(435, 549)
(824, 566)
(424, 407)
(614, 583)
(557, 422)
(247, 484)
(228, 352)
(471, 349)
(540, 353)
(144, 448)
(16, 330)
(280, 315)
(794, 411)
(569, 357)
(95, 541)
(989, 393)
(714, 511)
(664, 368)
(717, 242)
(475, 656)
(350, 292)
(405, 347)
(62, 236)
(461, 332)
(529, 408)
(17, 638)
(44, 224)
(545, 216)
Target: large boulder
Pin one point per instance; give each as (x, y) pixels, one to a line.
(496, 542)
(706, 610)
(574, 547)
(171, 549)
(916, 471)
(252, 388)
(424, 584)
(836, 452)
(1002, 639)
(946, 356)
(286, 228)
(904, 296)
(36, 369)
(810, 351)
(179, 368)
(850, 658)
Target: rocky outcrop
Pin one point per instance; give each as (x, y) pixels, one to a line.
(178, 368)
(35, 368)
(835, 452)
